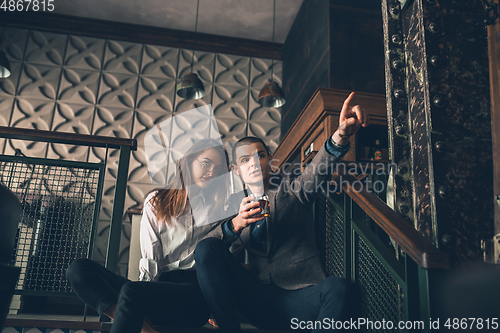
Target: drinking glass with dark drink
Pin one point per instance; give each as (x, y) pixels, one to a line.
(263, 203)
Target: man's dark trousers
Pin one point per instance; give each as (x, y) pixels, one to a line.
(229, 287)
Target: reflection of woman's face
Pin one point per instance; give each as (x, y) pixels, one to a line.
(206, 166)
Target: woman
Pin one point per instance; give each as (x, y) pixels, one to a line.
(174, 219)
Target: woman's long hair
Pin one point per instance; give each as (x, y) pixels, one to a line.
(171, 201)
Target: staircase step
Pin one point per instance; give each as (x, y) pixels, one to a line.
(106, 327)
(45, 323)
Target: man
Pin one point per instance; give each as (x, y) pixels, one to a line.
(285, 286)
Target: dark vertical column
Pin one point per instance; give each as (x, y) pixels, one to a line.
(450, 131)
(419, 110)
(115, 229)
(356, 46)
(494, 57)
(306, 59)
(397, 110)
(333, 44)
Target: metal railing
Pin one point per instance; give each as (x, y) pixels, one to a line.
(391, 264)
(61, 203)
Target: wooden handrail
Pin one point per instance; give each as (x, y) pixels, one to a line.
(420, 249)
(67, 138)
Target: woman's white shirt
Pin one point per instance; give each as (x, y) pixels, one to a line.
(166, 247)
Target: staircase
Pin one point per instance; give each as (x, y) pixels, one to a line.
(76, 324)
(51, 324)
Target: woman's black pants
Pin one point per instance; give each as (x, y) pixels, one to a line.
(176, 300)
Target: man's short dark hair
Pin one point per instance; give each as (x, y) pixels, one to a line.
(246, 141)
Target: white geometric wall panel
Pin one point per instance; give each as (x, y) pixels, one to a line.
(112, 88)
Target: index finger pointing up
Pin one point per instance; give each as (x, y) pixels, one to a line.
(347, 102)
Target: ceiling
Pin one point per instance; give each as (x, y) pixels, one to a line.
(250, 19)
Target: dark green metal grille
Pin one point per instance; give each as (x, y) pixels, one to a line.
(330, 236)
(59, 206)
(381, 297)
(334, 261)
(321, 222)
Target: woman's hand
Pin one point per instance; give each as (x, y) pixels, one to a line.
(247, 214)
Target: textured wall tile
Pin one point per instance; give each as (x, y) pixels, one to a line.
(45, 48)
(98, 155)
(118, 90)
(230, 109)
(138, 171)
(232, 70)
(39, 82)
(8, 86)
(229, 102)
(79, 86)
(160, 62)
(122, 57)
(232, 130)
(107, 201)
(102, 234)
(155, 169)
(68, 152)
(32, 114)
(144, 121)
(123, 253)
(14, 43)
(260, 72)
(138, 192)
(28, 148)
(6, 105)
(156, 94)
(264, 122)
(114, 122)
(73, 118)
(138, 168)
(203, 65)
(84, 53)
(187, 128)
